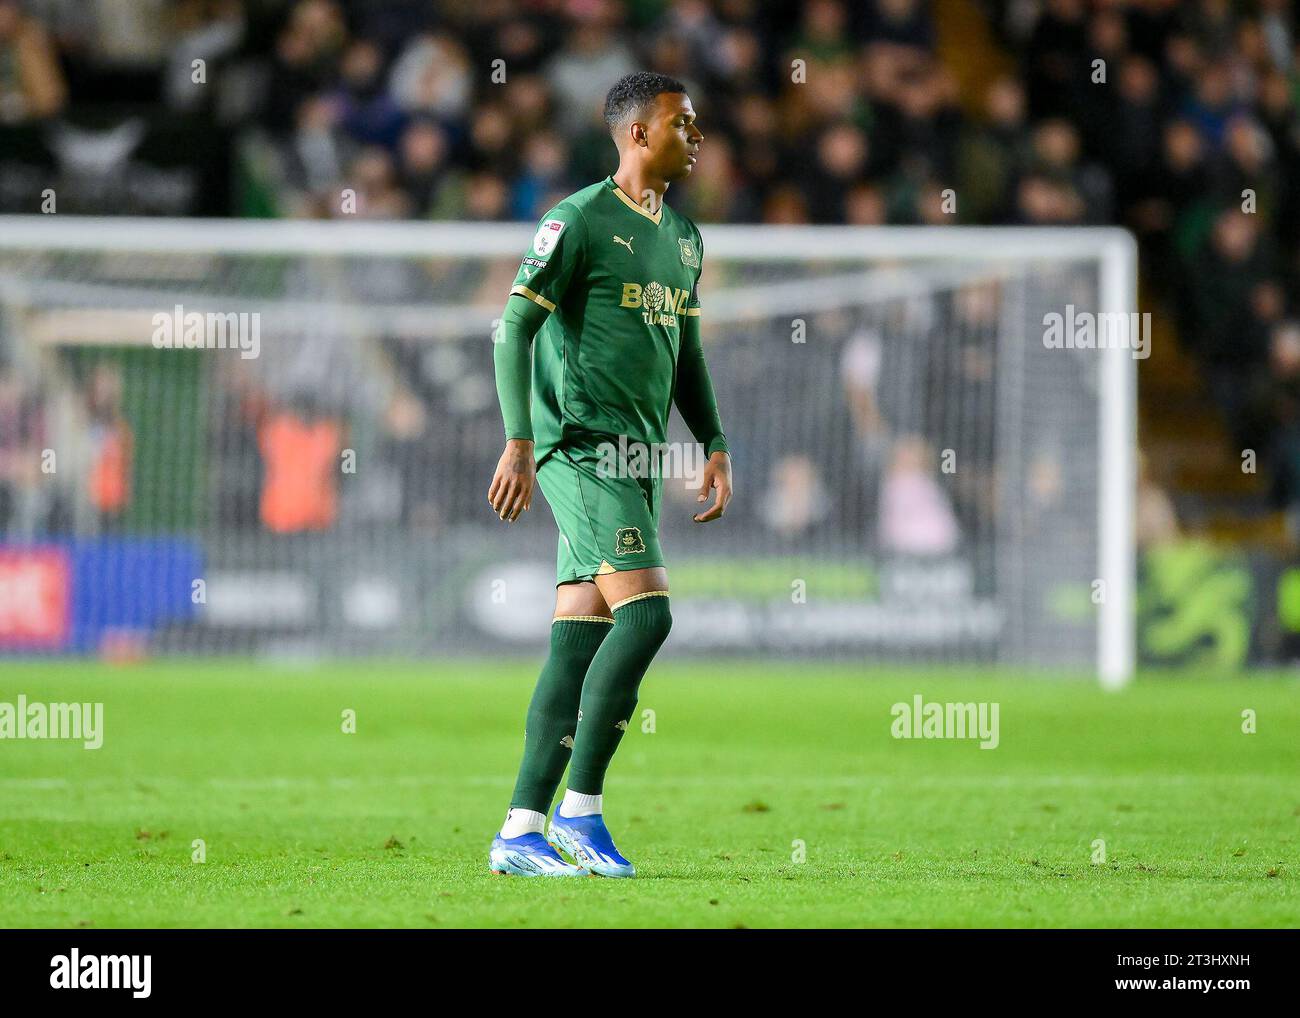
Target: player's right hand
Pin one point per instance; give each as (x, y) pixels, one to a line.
(512, 485)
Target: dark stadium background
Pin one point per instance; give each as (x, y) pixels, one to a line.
(328, 736)
(1176, 120)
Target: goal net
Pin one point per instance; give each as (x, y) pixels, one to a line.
(277, 438)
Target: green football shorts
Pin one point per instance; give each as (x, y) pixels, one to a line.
(607, 523)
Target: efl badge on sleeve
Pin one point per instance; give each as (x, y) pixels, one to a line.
(547, 237)
(689, 256)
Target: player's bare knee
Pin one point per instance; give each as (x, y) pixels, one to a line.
(580, 600)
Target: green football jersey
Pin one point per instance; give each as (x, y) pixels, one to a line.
(619, 283)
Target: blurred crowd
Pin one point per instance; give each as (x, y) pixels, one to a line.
(1179, 119)
(65, 458)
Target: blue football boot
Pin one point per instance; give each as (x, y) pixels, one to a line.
(529, 855)
(587, 840)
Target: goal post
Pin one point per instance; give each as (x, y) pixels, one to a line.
(926, 474)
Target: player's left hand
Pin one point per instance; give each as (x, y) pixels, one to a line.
(512, 484)
(717, 475)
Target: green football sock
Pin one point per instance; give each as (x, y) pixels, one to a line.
(609, 694)
(553, 713)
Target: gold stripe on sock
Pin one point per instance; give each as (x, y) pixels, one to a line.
(638, 597)
(581, 618)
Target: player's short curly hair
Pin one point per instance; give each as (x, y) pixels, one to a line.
(632, 93)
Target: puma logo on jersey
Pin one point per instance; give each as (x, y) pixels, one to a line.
(567, 742)
(621, 725)
(528, 273)
(626, 243)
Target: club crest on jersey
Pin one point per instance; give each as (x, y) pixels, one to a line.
(689, 257)
(546, 237)
(627, 541)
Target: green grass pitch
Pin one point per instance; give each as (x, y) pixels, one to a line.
(749, 764)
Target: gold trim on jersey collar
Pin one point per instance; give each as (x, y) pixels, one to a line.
(623, 197)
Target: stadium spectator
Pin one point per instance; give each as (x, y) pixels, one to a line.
(433, 77)
(111, 441)
(207, 31)
(22, 427)
(301, 451)
(1155, 521)
(32, 86)
(305, 60)
(590, 57)
(1281, 403)
(795, 499)
(916, 517)
(423, 164)
(1230, 309)
(991, 151)
(367, 112)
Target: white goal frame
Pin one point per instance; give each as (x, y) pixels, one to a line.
(1114, 249)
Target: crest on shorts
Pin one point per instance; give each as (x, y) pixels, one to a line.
(689, 256)
(547, 235)
(627, 541)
